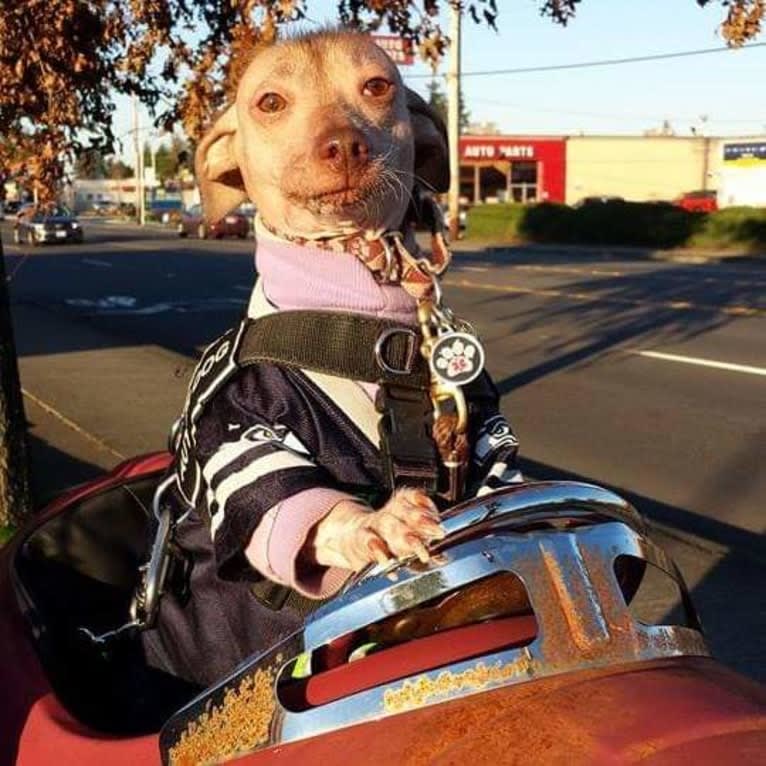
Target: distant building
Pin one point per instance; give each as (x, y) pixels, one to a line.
(86, 193)
(482, 129)
(93, 192)
(741, 175)
(530, 169)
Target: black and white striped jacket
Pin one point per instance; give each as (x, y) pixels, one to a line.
(271, 432)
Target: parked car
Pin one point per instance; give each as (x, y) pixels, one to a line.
(36, 224)
(165, 210)
(597, 200)
(702, 201)
(11, 207)
(235, 224)
(248, 210)
(462, 216)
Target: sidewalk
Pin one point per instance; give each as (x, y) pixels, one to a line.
(90, 400)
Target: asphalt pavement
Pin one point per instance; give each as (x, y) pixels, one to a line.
(645, 376)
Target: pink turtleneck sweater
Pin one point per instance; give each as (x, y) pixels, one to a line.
(297, 277)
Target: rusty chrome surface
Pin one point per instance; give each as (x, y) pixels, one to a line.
(582, 617)
(521, 505)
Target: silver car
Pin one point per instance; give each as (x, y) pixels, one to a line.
(52, 223)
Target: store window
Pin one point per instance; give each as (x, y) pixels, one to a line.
(516, 181)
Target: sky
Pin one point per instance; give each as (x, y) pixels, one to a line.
(722, 94)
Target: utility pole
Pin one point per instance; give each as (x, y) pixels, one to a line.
(705, 162)
(138, 163)
(14, 477)
(453, 119)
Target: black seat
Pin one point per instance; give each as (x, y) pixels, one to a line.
(76, 574)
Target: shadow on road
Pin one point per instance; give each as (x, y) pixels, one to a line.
(719, 532)
(177, 299)
(600, 314)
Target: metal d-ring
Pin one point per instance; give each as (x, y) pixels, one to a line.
(380, 348)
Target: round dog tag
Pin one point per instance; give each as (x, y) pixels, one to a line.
(457, 358)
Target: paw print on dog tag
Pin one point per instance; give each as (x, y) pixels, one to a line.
(457, 358)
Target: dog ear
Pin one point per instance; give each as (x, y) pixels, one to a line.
(431, 144)
(218, 175)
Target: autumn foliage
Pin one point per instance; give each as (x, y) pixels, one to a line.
(62, 61)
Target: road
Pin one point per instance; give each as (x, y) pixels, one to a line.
(648, 377)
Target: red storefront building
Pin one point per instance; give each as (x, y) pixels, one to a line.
(512, 168)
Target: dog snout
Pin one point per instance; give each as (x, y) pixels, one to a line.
(344, 149)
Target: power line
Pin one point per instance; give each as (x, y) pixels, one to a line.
(598, 63)
(614, 115)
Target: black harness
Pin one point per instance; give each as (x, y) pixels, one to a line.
(349, 346)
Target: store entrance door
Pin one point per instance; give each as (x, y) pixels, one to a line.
(523, 182)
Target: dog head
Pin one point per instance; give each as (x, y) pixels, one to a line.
(322, 136)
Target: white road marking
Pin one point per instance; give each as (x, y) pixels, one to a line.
(244, 288)
(127, 304)
(107, 302)
(97, 262)
(703, 362)
(570, 270)
(153, 245)
(473, 268)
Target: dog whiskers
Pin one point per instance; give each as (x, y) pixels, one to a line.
(415, 177)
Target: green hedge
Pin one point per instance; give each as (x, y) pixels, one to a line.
(733, 227)
(642, 224)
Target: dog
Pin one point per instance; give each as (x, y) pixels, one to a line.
(352, 171)
(329, 144)
(323, 136)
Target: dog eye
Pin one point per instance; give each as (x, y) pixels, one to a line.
(377, 87)
(272, 102)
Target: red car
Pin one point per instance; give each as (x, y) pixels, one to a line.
(525, 640)
(235, 224)
(698, 201)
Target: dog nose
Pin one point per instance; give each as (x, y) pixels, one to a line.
(344, 149)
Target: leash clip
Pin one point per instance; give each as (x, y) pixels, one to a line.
(146, 600)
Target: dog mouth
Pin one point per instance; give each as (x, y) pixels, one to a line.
(343, 197)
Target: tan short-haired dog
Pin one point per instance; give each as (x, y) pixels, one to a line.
(324, 138)
(293, 479)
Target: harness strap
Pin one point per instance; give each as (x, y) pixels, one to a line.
(407, 446)
(278, 597)
(347, 345)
